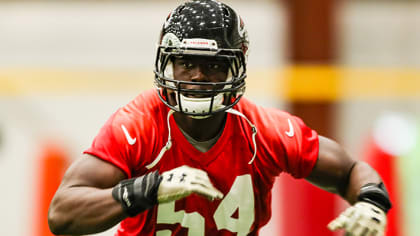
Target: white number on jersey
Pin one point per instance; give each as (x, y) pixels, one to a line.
(240, 198)
(167, 215)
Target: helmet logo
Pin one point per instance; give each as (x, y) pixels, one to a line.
(241, 27)
(244, 35)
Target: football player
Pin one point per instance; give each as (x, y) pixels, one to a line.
(194, 157)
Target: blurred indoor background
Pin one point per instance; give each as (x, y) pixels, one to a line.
(350, 69)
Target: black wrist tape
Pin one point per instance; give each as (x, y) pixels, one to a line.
(375, 194)
(137, 194)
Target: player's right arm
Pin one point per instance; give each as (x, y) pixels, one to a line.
(83, 204)
(94, 195)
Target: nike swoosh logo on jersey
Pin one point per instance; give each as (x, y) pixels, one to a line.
(130, 140)
(291, 131)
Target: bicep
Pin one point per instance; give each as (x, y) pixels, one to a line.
(91, 171)
(85, 193)
(333, 166)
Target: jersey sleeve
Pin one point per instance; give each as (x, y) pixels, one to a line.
(131, 136)
(301, 149)
(110, 148)
(287, 144)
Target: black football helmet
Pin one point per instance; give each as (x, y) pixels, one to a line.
(204, 28)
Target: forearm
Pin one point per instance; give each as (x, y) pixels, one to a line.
(83, 210)
(370, 203)
(360, 175)
(336, 172)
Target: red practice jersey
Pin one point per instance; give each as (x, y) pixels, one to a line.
(134, 136)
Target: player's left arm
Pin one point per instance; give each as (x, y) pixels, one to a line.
(357, 182)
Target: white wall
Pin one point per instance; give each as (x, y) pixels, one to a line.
(113, 34)
(375, 34)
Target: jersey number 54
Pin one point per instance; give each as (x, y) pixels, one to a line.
(240, 197)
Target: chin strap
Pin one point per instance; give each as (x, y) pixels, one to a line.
(254, 131)
(168, 144)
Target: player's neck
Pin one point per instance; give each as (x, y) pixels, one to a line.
(201, 129)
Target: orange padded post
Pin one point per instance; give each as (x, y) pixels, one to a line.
(51, 165)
